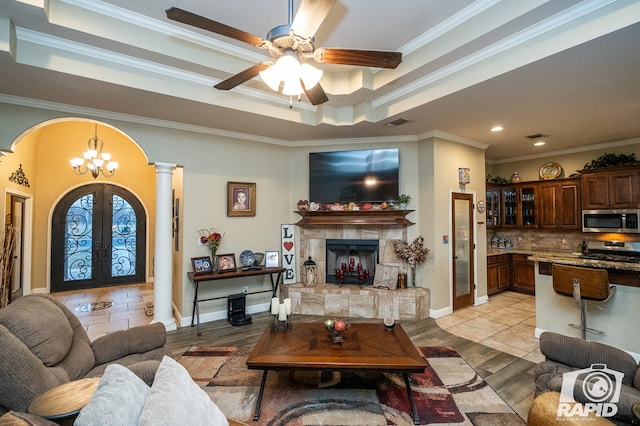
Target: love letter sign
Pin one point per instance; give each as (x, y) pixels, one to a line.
(288, 254)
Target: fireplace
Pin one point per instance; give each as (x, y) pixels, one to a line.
(351, 261)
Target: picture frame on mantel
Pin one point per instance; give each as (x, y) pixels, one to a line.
(241, 199)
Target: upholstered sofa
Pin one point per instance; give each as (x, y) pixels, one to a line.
(566, 354)
(44, 345)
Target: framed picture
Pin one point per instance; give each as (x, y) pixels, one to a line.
(201, 265)
(271, 259)
(241, 199)
(226, 262)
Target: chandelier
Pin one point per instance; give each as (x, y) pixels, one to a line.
(288, 69)
(94, 160)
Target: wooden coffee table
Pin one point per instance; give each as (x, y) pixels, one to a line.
(308, 346)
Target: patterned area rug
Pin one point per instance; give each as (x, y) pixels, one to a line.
(448, 392)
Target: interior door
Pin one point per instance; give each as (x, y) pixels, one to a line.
(98, 238)
(17, 220)
(463, 245)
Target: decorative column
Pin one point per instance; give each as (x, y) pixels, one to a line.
(163, 264)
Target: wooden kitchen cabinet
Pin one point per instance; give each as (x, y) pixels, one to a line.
(493, 207)
(519, 206)
(559, 204)
(498, 273)
(523, 274)
(613, 188)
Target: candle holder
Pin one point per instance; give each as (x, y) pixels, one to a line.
(281, 326)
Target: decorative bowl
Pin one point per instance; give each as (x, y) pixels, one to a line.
(258, 258)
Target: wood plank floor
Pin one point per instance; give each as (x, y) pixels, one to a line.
(510, 376)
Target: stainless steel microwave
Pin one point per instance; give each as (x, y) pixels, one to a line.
(623, 221)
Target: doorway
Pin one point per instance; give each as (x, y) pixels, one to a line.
(15, 217)
(98, 239)
(463, 246)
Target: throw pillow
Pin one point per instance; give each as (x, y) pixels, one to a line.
(176, 399)
(386, 276)
(118, 400)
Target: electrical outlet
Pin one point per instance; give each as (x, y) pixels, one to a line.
(245, 289)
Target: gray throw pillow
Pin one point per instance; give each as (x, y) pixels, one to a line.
(118, 400)
(176, 399)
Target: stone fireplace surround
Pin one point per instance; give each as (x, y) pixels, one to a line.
(353, 300)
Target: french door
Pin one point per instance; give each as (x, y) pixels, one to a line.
(98, 239)
(463, 246)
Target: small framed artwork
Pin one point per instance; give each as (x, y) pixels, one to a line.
(241, 199)
(272, 259)
(201, 265)
(226, 262)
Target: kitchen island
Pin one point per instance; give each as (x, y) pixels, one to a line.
(617, 318)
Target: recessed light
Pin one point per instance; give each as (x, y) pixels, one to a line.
(497, 129)
(539, 143)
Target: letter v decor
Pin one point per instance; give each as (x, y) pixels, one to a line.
(288, 254)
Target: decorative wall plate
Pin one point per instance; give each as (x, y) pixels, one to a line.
(247, 258)
(550, 170)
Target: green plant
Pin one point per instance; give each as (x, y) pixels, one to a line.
(404, 198)
(611, 160)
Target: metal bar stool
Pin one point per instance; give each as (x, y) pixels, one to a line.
(583, 284)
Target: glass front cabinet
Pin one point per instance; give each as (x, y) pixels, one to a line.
(519, 206)
(494, 207)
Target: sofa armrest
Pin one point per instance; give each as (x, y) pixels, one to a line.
(134, 340)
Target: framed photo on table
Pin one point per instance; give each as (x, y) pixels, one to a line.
(241, 199)
(226, 262)
(271, 259)
(201, 265)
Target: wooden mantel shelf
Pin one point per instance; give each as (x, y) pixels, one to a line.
(360, 217)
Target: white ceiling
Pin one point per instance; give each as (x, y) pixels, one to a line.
(567, 69)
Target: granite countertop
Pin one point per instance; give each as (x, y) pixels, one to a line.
(565, 258)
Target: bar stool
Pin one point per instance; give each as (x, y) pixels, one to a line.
(583, 284)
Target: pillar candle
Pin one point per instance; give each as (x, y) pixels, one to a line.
(275, 304)
(282, 313)
(287, 305)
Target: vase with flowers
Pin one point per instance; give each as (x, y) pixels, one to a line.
(413, 254)
(212, 239)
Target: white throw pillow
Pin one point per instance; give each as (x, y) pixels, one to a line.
(118, 400)
(175, 399)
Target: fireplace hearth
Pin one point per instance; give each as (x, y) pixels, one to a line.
(351, 261)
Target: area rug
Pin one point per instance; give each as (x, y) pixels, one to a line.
(448, 392)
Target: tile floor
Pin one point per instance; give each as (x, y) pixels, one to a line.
(506, 322)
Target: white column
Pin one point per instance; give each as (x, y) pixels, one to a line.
(163, 264)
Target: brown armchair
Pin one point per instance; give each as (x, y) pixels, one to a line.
(43, 345)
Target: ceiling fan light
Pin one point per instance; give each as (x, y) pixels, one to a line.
(271, 77)
(288, 66)
(309, 75)
(292, 87)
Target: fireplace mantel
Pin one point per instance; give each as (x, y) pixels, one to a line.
(359, 217)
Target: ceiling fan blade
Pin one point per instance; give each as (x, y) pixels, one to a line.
(316, 94)
(310, 16)
(242, 76)
(365, 58)
(189, 18)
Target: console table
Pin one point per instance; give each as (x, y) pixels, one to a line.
(196, 279)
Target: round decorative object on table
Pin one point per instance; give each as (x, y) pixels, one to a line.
(389, 323)
(258, 258)
(247, 258)
(550, 170)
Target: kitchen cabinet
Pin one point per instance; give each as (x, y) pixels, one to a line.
(613, 188)
(523, 274)
(559, 204)
(498, 273)
(493, 207)
(519, 206)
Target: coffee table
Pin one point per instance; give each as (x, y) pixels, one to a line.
(308, 346)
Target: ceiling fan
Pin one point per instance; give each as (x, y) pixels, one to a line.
(293, 40)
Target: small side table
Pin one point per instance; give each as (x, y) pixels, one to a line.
(64, 401)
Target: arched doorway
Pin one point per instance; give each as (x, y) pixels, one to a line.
(98, 238)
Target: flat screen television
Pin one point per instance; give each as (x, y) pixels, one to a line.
(369, 175)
